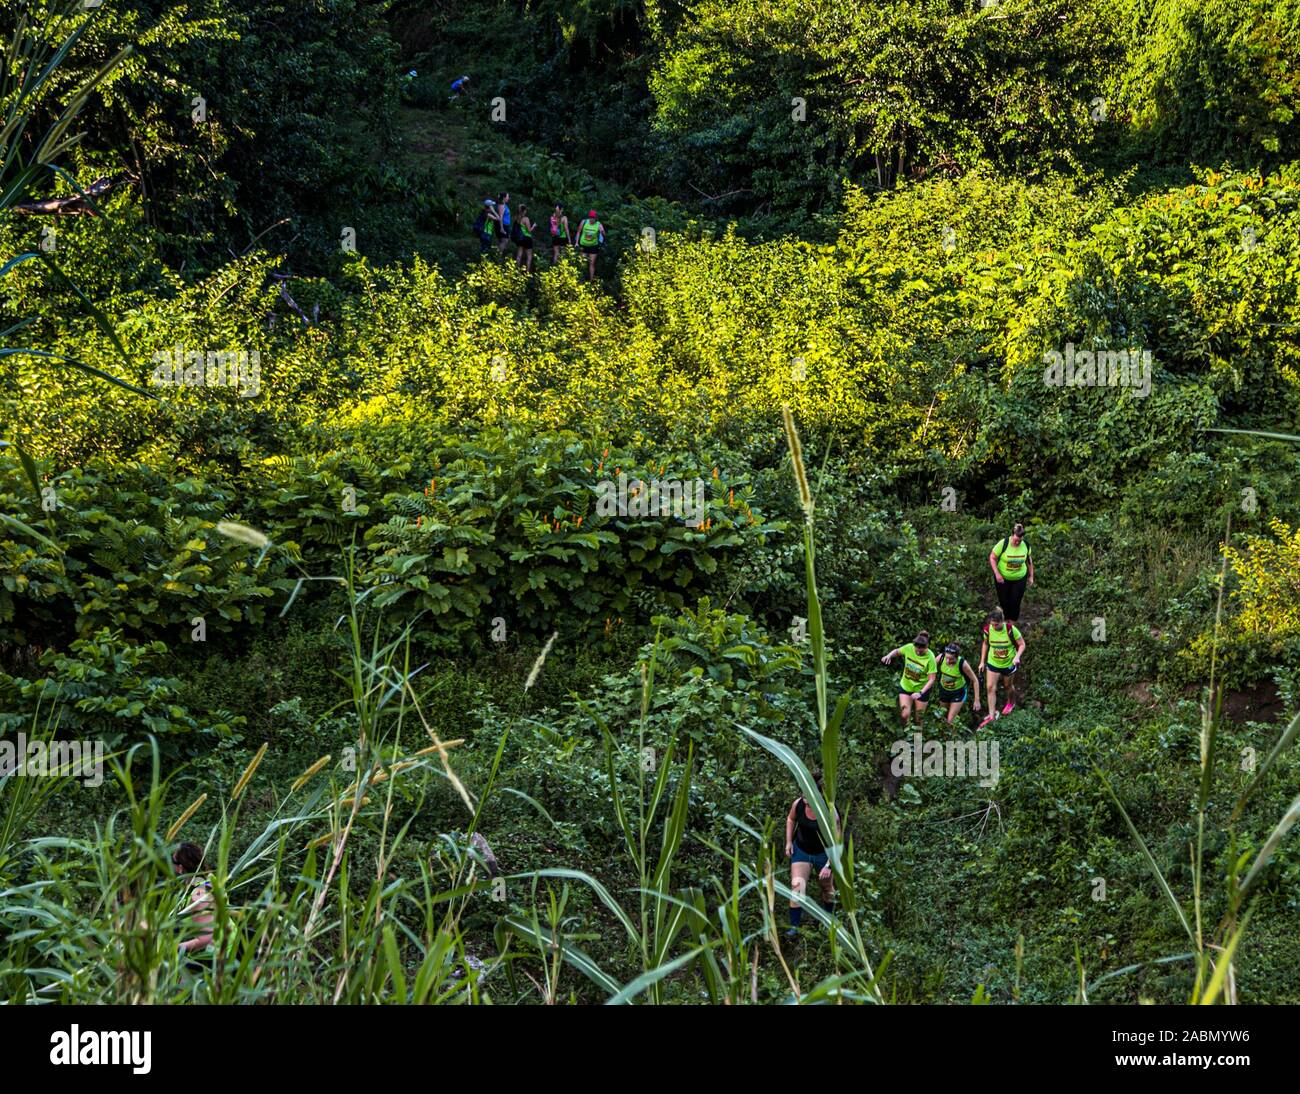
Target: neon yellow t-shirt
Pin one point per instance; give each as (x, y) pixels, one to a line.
(1013, 561)
(917, 667)
(1002, 646)
(951, 678)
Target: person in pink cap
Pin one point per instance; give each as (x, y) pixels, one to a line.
(591, 238)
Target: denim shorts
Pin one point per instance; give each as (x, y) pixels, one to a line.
(818, 861)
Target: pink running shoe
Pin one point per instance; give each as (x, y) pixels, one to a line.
(991, 716)
(1011, 705)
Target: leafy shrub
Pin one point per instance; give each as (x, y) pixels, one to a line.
(110, 689)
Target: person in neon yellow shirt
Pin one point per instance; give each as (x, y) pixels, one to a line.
(523, 231)
(1013, 567)
(955, 673)
(919, 669)
(1003, 647)
(591, 238)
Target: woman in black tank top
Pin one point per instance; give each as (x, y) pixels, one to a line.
(807, 853)
(807, 834)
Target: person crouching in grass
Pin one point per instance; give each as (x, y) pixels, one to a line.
(186, 860)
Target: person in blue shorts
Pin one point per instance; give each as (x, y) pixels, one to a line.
(955, 682)
(807, 853)
(1003, 648)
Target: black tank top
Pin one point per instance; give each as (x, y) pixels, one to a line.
(806, 834)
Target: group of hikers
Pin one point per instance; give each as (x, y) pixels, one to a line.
(497, 226)
(924, 678)
(949, 679)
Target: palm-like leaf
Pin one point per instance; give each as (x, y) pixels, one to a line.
(29, 66)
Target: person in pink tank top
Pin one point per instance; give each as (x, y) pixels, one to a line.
(560, 235)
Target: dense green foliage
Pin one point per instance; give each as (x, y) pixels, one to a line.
(385, 545)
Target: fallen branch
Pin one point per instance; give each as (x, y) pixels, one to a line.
(293, 304)
(717, 197)
(74, 204)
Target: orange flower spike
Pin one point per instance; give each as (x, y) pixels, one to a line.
(715, 474)
(579, 522)
(731, 497)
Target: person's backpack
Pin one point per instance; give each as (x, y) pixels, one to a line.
(480, 225)
(516, 233)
